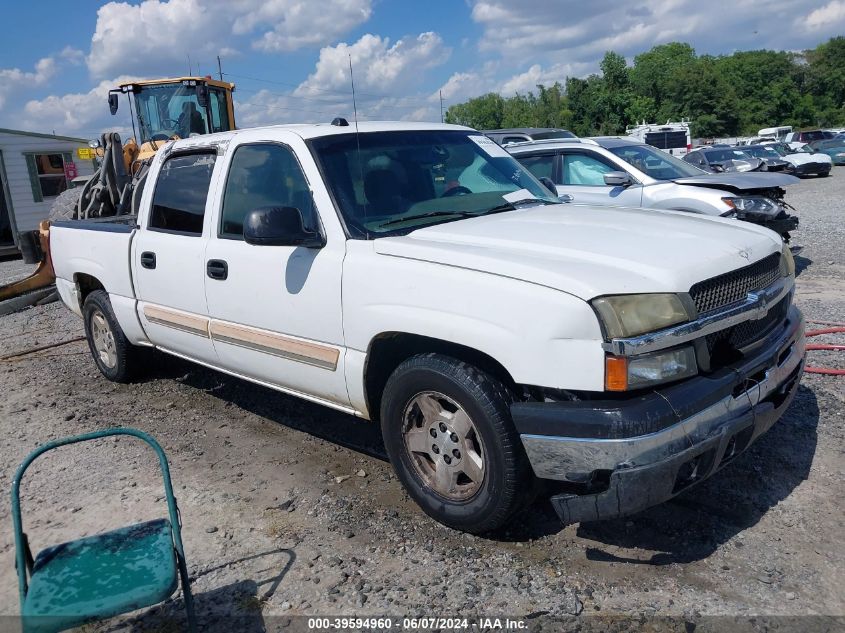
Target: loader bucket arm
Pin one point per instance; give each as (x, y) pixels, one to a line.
(43, 275)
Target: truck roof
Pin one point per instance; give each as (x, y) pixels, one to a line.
(315, 130)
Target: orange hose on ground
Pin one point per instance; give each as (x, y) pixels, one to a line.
(824, 346)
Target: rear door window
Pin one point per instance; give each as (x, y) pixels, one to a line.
(180, 194)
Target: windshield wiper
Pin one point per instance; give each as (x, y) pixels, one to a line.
(512, 206)
(430, 214)
(508, 206)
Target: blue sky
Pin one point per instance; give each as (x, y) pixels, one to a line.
(289, 58)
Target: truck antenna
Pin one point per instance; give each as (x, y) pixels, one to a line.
(357, 136)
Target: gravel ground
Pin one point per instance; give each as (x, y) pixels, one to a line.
(292, 509)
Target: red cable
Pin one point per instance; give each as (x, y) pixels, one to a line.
(824, 346)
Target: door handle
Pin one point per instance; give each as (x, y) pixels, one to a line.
(148, 260)
(217, 269)
(566, 197)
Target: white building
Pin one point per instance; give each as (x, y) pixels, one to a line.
(34, 169)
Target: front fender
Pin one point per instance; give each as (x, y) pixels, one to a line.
(539, 335)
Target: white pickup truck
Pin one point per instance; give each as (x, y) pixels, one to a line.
(417, 275)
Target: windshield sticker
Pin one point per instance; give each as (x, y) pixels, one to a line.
(491, 147)
(520, 194)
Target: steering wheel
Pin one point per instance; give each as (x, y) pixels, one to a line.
(169, 123)
(460, 190)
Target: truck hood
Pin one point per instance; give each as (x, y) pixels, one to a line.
(590, 251)
(740, 182)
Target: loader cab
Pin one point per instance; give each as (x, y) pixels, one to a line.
(182, 107)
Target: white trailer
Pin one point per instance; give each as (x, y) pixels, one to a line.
(671, 137)
(34, 169)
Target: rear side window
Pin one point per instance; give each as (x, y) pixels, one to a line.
(539, 166)
(263, 175)
(180, 194)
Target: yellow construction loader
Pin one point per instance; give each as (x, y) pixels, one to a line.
(160, 110)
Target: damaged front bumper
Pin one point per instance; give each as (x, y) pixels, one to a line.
(635, 453)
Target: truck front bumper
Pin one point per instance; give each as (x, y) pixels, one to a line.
(639, 451)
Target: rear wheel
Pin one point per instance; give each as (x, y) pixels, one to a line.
(448, 432)
(115, 357)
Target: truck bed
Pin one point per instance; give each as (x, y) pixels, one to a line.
(97, 247)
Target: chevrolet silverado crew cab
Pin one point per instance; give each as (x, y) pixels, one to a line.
(417, 275)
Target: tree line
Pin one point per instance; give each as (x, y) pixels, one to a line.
(724, 95)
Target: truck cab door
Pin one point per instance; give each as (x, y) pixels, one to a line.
(168, 256)
(581, 178)
(276, 315)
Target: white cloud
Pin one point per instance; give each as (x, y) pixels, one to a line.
(12, 79)
(155, 36)
(829, 18)
(377, 66)
(579, 33)
(85, 113)
(297, 24)
(72, 55)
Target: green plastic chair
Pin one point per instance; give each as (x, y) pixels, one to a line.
(105, 575)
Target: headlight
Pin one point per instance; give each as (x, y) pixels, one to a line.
(630, 315)
(623, 373)
(787, 262)
(753, 204)
(840, 155)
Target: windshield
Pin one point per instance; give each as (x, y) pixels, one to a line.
(654, 163)
(721, 155)
(394, 182)
(828, 144)
(763, 151)
(542, 136)
(172, 109)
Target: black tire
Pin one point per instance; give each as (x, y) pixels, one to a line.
(123, 364)
(507, 476)
(65, 206)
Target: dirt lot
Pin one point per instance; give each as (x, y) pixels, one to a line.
(291, 509)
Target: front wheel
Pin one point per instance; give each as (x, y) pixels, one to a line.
(449, 435)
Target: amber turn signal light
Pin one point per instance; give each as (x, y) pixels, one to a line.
(616, 373)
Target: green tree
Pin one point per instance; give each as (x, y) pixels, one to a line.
(482, 113)
(826, 71)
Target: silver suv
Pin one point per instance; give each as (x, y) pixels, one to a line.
(625, 172)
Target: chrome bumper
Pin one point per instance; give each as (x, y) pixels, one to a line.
(748, 387)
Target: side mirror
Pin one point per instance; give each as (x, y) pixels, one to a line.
(202, 95)
(280, 226)
(113, 102)
(617, 179)
(548, 184)
(717, 167)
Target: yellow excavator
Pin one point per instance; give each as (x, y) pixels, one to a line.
(160, 110)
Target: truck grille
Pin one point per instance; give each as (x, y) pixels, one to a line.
(718, 292)
(724, 345)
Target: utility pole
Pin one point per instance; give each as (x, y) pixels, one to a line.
(441, 106)
(219, 68)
